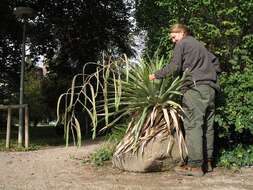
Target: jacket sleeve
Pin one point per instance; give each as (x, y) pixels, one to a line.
(174, 66)
(215, 62)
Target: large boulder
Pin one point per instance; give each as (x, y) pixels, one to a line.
(159, 154)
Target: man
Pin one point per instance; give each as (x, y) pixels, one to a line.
(198, 96)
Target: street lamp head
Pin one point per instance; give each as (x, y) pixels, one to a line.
(24, 12)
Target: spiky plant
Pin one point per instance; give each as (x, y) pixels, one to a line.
(120, 90)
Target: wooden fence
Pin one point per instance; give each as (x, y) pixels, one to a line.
(9, 109)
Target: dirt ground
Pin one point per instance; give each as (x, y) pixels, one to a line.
(60, 168)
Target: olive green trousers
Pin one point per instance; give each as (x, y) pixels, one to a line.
(199, 106)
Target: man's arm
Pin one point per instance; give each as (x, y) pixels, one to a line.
(174, 66)
(216, 62)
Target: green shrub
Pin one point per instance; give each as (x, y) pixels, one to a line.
(235, 110)
(236, 157)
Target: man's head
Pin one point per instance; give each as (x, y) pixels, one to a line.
(178, 32)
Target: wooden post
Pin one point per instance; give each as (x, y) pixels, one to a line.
(26, 127)
(8, 131)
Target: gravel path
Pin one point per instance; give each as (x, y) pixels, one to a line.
(60, 168)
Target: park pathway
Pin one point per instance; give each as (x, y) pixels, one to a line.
(60, 168)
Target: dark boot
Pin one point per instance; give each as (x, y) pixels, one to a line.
(207, 166)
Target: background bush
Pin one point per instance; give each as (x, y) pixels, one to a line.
(237, 157)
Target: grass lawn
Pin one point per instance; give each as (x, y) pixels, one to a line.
(40, 137)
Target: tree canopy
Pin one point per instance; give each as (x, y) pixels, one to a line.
(67, 33)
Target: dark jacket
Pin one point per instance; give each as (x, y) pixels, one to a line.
(202, 65)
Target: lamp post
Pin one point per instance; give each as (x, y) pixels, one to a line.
(24, 13)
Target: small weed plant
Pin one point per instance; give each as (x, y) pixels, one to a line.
(101, 155)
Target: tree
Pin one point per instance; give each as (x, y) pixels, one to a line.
(10, 53)
(34, 97)
(67, 33)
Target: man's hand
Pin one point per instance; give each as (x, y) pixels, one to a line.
(152, 77)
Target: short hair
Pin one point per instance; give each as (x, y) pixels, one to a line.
(180, 28)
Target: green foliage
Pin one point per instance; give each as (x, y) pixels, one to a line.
(236, 108)
(117, 133)
(67, 33)
(227, 32)
(101, 155)
(34, 98)
(51, 88)
(237, 157)
(238, 103)
(105, 153)
(10, 53)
